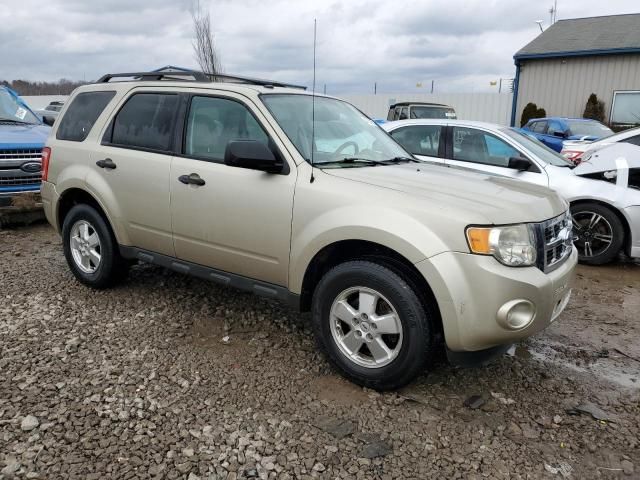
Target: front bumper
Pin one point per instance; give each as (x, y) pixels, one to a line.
(472, 290)
(632, 215)
(20, 197)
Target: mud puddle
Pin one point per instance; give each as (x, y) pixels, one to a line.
(608, 365)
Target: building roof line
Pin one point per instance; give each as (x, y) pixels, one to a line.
(576, 53)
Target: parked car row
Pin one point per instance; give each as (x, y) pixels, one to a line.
(442, 231)
(302, 198)
(604, 195)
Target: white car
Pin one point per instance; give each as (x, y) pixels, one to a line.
(574, 149)
(604, 190)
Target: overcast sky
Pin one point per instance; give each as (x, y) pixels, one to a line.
(461, 45)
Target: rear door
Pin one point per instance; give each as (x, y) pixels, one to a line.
(479, 149)
(424, 141)
(130, 168)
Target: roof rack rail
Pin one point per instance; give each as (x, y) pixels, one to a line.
(196, 76)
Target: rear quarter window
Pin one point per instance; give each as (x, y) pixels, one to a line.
(81, 115)
(146, 121)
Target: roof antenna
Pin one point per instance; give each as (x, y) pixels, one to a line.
(313, 101)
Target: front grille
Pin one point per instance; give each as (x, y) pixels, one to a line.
(21, 180)
(21, 154)
(555, 242)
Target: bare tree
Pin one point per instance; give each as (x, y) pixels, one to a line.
(203, 43)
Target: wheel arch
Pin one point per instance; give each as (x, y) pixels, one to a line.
(76, 196)
(626, 245)
(347, 250)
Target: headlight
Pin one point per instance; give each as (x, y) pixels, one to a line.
(512, 245)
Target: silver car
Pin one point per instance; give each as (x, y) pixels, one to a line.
(604, 190)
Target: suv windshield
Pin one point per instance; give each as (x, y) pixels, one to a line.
(343, 135)
(539, 149)
(589, 129)
(12, 110)
(432, 112)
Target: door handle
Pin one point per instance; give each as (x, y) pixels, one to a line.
(106, 163)
(191, 179)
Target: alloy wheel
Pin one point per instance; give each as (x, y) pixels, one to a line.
(366, 327)
(85, 246)
(593, 234)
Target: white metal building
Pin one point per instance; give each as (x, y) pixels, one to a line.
(573, 58)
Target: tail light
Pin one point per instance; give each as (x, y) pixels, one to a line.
(573, 156)
(46, 156)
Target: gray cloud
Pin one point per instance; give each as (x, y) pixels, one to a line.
(461, 44)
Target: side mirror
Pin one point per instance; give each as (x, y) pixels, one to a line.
(519, 163)
(559, 134)
(47, 120)
(253, 155)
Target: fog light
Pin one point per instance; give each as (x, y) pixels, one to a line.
(516, 314)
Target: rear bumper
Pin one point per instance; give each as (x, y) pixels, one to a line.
(475, 292)
(50, 199)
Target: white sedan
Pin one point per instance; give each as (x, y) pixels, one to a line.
(604, 190)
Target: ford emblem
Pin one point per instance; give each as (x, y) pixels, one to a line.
(31, 167)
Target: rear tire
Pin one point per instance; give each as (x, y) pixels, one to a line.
(598, 233)
(91, 249)
(371, 325)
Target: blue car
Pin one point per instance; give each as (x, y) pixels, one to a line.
(553, 131)
(22, 136)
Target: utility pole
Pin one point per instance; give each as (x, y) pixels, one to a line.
(325, 89)
(500, 86)
(432, 86)
(375, 88)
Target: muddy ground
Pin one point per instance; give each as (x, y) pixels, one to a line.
(136, 382)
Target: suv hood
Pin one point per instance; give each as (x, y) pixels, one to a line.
(498, 199)
(23, 136)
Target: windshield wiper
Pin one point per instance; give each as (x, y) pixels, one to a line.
(351, 160)
(3, 119)
(401, 159)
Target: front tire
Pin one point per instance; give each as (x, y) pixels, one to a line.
(91, 249)
(371, 325)
(598, 233)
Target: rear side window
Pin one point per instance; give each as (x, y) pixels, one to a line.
(419, 139)
(83, 112)
(146, 121)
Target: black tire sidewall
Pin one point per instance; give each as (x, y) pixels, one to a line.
(110, 259)
(618, 233)
(417, 342)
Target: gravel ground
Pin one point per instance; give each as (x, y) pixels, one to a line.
(137, 382)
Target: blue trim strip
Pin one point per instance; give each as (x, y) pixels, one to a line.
(514, 101)
(581, 53)
(21, 188)
(21, 146)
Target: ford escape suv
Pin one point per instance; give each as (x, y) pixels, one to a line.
(265, 187)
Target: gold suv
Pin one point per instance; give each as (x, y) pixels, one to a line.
(265, 187)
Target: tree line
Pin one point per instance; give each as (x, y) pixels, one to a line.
(26, 87)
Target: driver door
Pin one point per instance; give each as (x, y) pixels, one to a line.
(235, 220)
